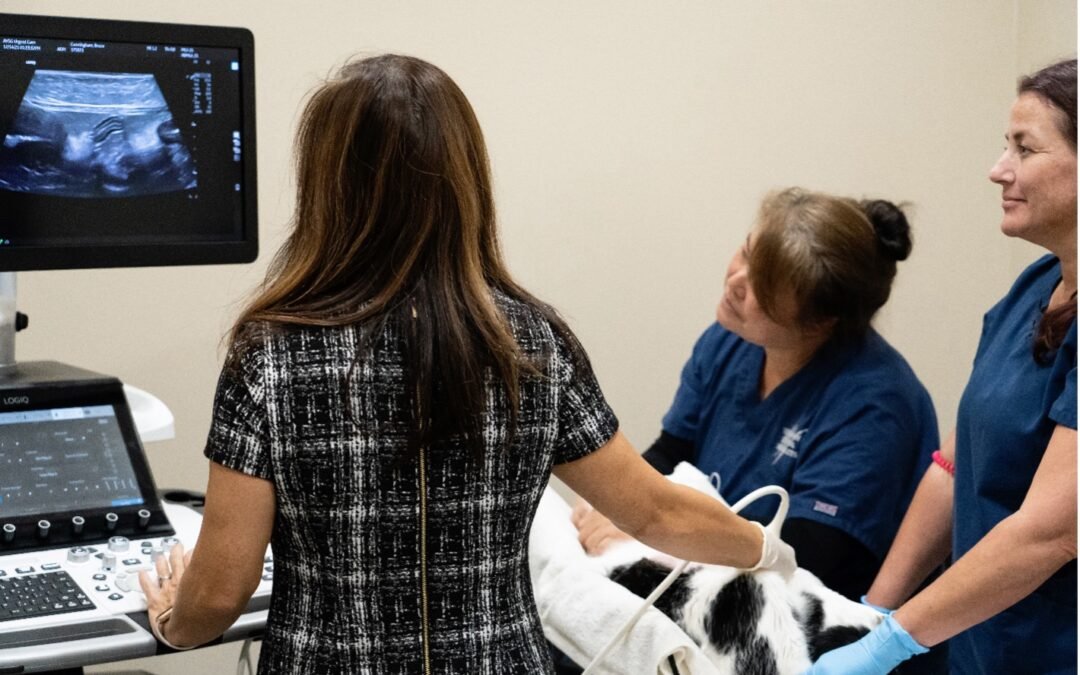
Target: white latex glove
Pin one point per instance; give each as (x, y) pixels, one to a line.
(775, 554)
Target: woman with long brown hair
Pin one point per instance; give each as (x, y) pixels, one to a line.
(391, 408)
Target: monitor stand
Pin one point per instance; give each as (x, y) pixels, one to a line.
(9, 320)
(14, 374)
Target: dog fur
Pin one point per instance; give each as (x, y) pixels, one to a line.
(747, 623)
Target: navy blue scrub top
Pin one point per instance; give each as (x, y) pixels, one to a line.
(1008, 411)
(849, 436)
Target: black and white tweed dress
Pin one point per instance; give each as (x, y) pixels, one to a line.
(328, 427)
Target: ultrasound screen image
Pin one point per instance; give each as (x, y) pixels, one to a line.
(79, 134)
(118, 144)
(64, 459)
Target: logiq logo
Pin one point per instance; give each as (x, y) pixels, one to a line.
(16, 400)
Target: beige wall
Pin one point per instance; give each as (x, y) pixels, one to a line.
(1045, 32)
(631, 143)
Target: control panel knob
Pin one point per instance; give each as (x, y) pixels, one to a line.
(144, 517)
(78, 554)
(125, 581)
(77, 523)
(43, 528)
(118, 544)
(9, 532)
(111, 519)
(156, 553)
(108, 562)
(167, 544)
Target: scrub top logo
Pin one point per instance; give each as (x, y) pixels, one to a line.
(786, 446)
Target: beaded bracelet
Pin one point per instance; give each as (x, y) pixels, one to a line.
(940, 460)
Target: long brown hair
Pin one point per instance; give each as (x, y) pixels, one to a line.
(395, 221)
(1056, 85)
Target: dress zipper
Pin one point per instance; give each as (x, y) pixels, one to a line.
(425, 634)
(423, 564)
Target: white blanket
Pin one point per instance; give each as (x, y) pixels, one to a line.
(581, 609)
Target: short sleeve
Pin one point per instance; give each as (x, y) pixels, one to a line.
(239, 437)
(683, 419)
(858, 476)
(586, 422)
(1063, 410)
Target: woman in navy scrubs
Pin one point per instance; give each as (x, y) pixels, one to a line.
(791, 386)
(1008, 474)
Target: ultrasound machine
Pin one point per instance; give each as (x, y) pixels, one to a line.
(122, 144)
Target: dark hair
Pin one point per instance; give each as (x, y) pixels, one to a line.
(1056, 85)
(837, 256)
(394, 221)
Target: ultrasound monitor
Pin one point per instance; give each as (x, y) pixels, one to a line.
(125, 144)
(122, 144)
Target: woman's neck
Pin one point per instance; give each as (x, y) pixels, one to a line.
(1068, 276)
(1065, 252)
(782, 363)
(1065, 290)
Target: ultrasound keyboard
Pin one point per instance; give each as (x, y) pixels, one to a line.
(24, 597)
(79, 605)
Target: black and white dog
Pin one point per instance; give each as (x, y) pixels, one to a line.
(746, 623)
(742, 623)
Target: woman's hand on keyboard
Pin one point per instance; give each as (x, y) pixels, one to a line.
(160, 589)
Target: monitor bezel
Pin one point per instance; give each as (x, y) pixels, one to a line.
(244, 250)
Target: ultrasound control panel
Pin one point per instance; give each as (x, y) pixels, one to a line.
(80, 517)
(80, 605)
(72, 468)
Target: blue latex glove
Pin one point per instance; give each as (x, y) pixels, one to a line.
(878, 652)
(871, 605)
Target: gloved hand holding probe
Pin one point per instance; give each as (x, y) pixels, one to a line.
(775, 554)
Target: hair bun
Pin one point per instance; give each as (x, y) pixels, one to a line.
(891, 226)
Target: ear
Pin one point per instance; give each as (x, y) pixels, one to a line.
(820, 330)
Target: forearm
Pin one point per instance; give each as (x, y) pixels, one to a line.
(922, 543)
(693, 526)
(673, 518)
(225, 567)
(1008, 564)
(204, 609)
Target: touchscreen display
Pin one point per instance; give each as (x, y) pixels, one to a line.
(64, 459)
